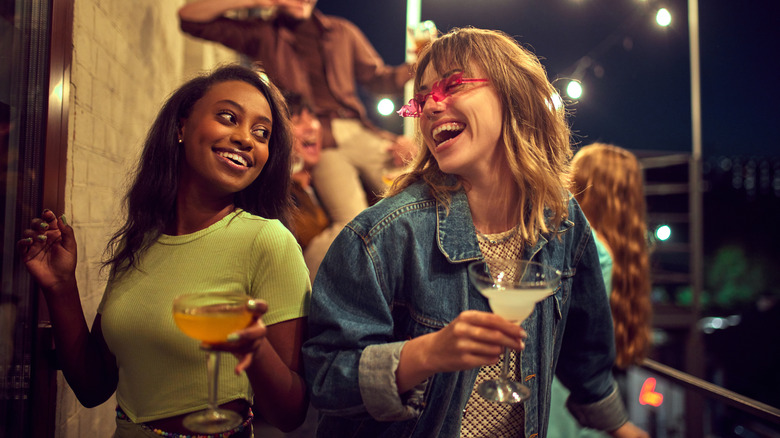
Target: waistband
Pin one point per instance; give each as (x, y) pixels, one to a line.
(247, 422)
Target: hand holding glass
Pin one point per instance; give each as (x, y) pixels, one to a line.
(512, 287)
(422, 34)
(210, 317)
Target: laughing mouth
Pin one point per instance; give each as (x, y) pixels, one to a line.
(235, 158)
(308, 144)
(447, 131)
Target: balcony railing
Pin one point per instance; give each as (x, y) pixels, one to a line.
(688, 421)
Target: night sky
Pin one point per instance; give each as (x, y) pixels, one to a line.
(637, 90)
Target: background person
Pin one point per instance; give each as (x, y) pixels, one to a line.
(205, 211)
(309, 218)
(323, 58)
(311, 224)
(608, 184)
(398, 335)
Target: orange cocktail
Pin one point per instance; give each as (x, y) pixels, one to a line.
(210, 317)
(212, 323)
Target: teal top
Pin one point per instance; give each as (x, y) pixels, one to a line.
(562, 423)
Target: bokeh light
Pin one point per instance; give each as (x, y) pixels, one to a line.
(663, 232)
(663, 17)
(385, 107)
(574, 90)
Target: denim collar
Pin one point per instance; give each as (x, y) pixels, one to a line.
(457, 236)
(455, 230)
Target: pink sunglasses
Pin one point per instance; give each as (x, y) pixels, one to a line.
(440, 90)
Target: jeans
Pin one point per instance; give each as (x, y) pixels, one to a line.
(343, 175)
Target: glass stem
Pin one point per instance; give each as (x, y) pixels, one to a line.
(212, 367)
(505, 365)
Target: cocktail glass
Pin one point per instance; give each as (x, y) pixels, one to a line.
(210, 317)
(512, 287)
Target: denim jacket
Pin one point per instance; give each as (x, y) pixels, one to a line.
(398, 271)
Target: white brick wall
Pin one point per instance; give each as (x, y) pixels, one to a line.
(128, 56)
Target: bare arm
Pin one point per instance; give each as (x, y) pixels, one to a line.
(208, 10)
(49, 252)
(471, 340)
(276, 375)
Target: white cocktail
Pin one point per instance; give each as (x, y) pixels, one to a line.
(512, 287)
(514, 304)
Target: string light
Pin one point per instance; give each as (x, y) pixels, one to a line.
(663, 17)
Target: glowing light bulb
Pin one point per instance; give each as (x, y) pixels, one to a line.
(663, 232)
(385, 107)
(574, 90)
(663, 17)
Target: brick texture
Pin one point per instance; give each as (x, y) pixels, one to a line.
(127, 58)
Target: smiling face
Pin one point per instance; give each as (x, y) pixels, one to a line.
(463, 128)
(307, 142)
(225, 141)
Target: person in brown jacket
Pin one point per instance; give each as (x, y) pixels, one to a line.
(323, 58)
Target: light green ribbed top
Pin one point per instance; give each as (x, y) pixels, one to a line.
(162, 372)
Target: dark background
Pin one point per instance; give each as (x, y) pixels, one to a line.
(641, 100)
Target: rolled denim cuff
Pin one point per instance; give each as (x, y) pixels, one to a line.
(376, 377)
(607, 414)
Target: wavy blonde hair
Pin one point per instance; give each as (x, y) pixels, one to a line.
(536, 136)
(608, 184)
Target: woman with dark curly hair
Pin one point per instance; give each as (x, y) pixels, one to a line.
(205, 212)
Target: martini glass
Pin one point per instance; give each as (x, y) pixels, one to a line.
(210, 317)
(512, 287)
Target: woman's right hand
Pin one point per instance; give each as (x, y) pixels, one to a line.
(48, 250)
(471, 340)
(247, 343)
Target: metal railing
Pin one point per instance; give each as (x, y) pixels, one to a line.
(710, 390)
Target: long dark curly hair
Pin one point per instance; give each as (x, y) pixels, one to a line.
(150, 202)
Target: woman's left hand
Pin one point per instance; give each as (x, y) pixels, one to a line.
(244, 344)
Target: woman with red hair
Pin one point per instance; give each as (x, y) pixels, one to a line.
(607, 182)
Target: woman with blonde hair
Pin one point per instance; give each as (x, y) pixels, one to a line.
(608, 184)
(399, 336)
